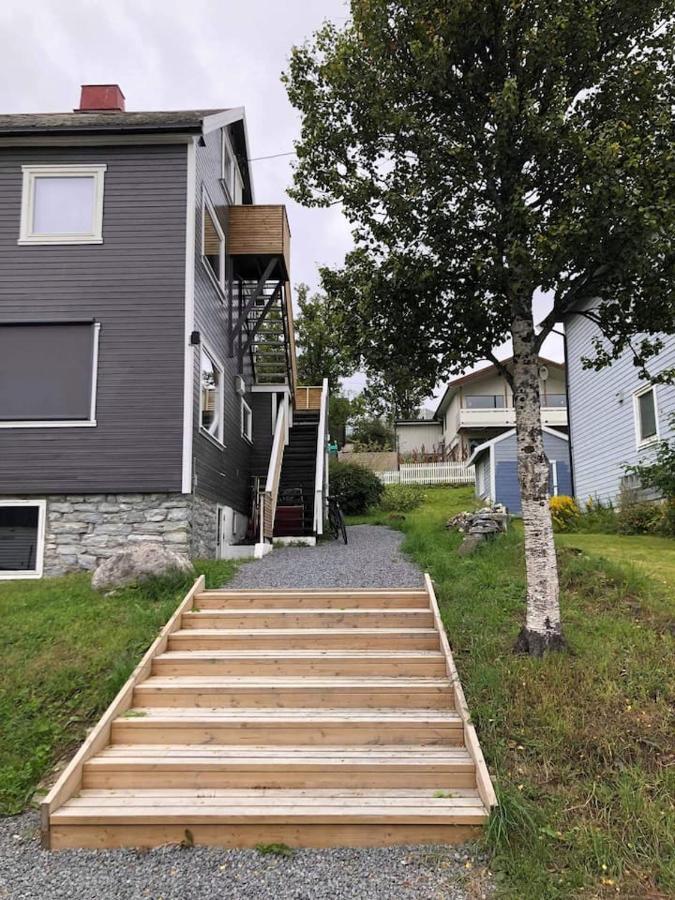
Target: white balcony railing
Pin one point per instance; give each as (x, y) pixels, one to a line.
(506, 417)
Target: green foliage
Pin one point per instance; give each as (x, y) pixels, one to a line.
(323, 352)
(578, 744)
(341, 411)
(402, 497)
(564, 512)
(356, 488)
(275, 849)
(372, 433)
(395, 393)
(66, 652)
(638, 516)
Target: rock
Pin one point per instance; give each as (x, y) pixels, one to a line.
(138, 563)
(470, 544)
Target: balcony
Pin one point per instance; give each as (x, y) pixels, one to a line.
(257, 235)
(554, 416)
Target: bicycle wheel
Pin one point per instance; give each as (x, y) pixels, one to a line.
(341, 524)
(333, 523)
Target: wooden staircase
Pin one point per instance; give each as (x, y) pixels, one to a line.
(309, 718)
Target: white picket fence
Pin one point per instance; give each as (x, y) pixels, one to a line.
(429, 473)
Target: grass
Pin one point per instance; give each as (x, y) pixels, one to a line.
(66, 651)
(579, 743)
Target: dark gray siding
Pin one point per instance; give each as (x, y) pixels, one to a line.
(222, 475)
(134, 285)
(261, 405)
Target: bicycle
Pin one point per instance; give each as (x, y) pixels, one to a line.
(336, 521)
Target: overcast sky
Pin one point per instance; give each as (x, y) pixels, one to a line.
(181, 54)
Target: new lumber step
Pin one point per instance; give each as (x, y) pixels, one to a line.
(245, 818)
(298, 692)
(319, 599)
(236, 766)
(305, 639)
(314, 617)
(418, 663)
(308, 727)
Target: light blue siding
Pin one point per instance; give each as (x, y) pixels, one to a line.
(602, 414)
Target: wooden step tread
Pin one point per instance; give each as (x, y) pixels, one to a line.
(299, 654)
(308, 611)
(198, 755)
(283, 793)
(323, 598)
(284, 682)
(292, 632)
(303, 715)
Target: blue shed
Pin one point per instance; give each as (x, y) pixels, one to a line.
(497, 468)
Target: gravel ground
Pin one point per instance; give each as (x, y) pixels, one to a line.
(372, 558)
(170, 873)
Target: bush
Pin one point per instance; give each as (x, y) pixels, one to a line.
(666, 524)
(564, 512)
(639, 518)
(402, 497)
(356, 487)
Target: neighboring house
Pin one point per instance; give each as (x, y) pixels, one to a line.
(147, 357)
(616, 418)
(477, 407)
(419, 437)
(496, 467)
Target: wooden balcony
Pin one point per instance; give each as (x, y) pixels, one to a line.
(257, 234)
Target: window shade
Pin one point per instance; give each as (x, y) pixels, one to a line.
(46, 371)
(212, 242)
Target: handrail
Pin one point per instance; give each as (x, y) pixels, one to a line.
(268, 497)
(321, 471)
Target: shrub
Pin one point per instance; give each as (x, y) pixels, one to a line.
(666, 524)
(639, 518)
(356, 487)
(564, 512)
(402, 497)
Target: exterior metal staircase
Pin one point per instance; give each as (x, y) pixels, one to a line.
(295, 506)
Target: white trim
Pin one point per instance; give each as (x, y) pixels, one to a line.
(68, 423)
(188, 358)
(640, 442)
(217, 439)
(553, 463)
(33, 172)
(40, 549)
(510, 433)
(269, 388)
(273, 404)
(220, 119)
(246, 433)
(208, 205)
(493, 475)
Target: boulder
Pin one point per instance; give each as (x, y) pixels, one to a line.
(138, 563)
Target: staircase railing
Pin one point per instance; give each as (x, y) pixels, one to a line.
(321, 476)
(267, 499)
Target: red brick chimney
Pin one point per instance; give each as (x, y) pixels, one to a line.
(101, 98)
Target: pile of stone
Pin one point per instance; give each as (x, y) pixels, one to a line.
(479, 526)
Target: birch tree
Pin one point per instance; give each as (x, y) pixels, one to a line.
(484, 151)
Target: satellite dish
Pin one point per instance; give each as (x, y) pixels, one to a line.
(543, 372)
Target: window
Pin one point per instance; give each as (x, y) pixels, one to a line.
(230, 176)
(484, 401)
(646, 421)
(48, 374)
(557, 401)
(22, 537)
(213, 243)
(211, 396)
(246, 420)
(62, 205)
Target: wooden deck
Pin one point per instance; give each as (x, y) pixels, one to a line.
(259, 231)
(310, 718)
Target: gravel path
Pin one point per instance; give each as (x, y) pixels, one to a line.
(169, 873)
(372, 558)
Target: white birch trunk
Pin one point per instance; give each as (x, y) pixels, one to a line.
(542, 630)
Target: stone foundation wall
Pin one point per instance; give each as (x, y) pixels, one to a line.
(204, 537)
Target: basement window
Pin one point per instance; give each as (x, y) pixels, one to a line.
(213, 244)
(211, 396)
(48, 374)
(62, 205)
(22, 537)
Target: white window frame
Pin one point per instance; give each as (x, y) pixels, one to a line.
(216, 439)
(227, 151)
(14, 574)
(207, 205)
(69, 423)
(641, 442)
(31, 173)
(246, 433)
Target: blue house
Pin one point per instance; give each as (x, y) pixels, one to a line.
(615, 418)
(497, 468)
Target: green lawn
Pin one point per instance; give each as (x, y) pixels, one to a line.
(578, 743)
(66, 651)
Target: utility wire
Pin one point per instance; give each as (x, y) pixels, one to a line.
(272, 156)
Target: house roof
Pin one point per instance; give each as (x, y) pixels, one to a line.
(454, 385)
(482, 448)
(432, 422)
(25, 124)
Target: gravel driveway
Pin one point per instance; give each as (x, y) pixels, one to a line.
(372, 559)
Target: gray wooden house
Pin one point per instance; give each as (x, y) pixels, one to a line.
(148, 387)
